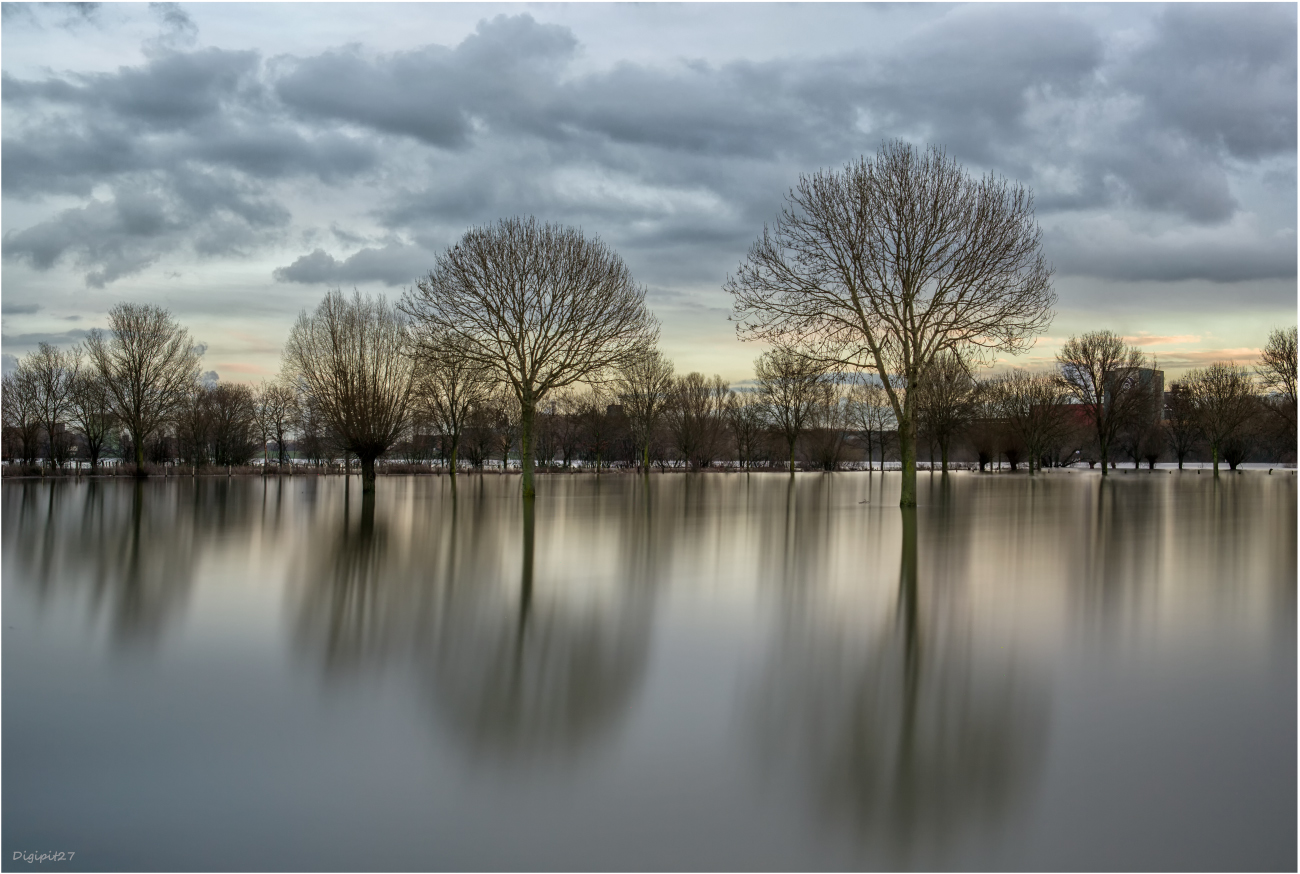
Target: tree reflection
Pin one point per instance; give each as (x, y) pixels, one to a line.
(517, 665)
(130, 548)
(910, 735)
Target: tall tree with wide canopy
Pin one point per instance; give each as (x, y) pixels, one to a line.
(149, 363)
(540, 305)
(892, 261)
(1224, 400)
(352, 359)
(644, 387)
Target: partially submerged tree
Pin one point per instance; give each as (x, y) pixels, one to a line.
(449, 387)
(148, 363)
(276, 411)
(944, 400)
(1277, 376)
(21, 413)
(52, 373)
(352, 358)
(1224, 400)
(791, 386)
(870, 412)
(1104, 375)
(1181, 429)
(746, 416)
(891, 262)
(643, 388)
(1034, 407)
(695, 417)
(92, 412)
(540, 305)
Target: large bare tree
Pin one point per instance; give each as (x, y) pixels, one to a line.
(790, 385)
(541, 305)
(148, 363)
(643, 387)
(890, 262)
(1224, 400)
(1104, 375)
(276, 410)
(352, 358)
(22, 416)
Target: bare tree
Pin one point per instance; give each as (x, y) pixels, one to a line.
(352, 357)
(892, 261)
(643, 387)
(540, 305)
(234, 423)
(92, 412)
(52, 372)
(695, 417)
(1224, 399)
(1277, 376)
(276, 411)
(505, 422)
(1035, 408)
(1103, 374)
(826, 427)
(944, 400)
(871, 413)
(22, 413)
(449, 387)
(790, 385)
(148, 363)
(746, 415)
(1181, 428)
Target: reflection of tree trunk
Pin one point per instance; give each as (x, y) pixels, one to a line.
(526, 574)
(911, 638)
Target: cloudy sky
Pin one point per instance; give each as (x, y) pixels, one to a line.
(233, 162)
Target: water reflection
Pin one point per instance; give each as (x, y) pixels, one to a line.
(910, 732)
(517, 662)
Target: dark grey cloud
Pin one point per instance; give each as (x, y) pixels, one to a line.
(677, 164)
(392, 264)
(21, 309)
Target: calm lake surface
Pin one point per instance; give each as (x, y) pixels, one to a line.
(698, 671)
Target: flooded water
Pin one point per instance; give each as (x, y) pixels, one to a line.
(694, 671)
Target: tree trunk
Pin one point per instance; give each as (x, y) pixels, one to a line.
(139, 456)
(1214, 455)
(367, 474)
(526, 449)
(791, 458)
(1105, 456)
(451, 462)
(943, 455)
(907, 453)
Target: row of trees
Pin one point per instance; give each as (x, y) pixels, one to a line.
(900, 271)
(1101, 404)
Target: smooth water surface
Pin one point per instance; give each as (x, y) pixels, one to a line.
(714, 671)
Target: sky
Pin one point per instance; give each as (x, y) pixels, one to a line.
(233, 162)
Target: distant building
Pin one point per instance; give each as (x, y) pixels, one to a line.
(1153, 384)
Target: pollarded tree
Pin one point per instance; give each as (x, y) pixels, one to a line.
(352, 359)
(541, 306)
(790, 385)
(1224, 400)
(643, 387)
(891, 262)
(149, 364)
